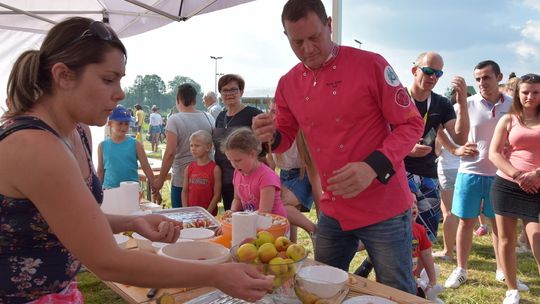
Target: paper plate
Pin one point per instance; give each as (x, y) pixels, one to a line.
(368, 300)
(196, 233)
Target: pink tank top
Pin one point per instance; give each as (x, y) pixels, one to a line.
(524, 144)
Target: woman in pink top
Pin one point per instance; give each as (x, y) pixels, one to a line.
(515, 192)
(256, 186)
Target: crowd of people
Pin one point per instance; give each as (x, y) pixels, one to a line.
(379, 165)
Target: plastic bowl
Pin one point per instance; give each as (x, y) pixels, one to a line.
(158, 245)
(196, 234)
(196, 252)
(143, 243)
(121, 239)
(322, 280)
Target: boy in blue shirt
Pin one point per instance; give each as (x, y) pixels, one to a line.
(118, 155)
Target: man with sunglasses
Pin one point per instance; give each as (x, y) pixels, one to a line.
(476, 173)
(438, 114)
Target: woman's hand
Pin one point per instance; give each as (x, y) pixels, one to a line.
(529, 182)
(158, 228)
(242, 281)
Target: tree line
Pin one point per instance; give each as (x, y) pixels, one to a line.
(149, 90)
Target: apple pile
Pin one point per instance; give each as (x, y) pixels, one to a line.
(276, 256)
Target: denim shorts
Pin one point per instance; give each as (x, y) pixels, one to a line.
(299, 186)
(155, 129)
(470, 191)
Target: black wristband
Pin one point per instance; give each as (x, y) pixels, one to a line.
(381, 165)
(277, 140)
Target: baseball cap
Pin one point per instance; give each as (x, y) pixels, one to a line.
(120, 114)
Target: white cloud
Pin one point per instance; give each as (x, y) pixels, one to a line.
(526, 50)
(535, 4)
(531, 30)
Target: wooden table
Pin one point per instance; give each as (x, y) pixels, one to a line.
(137, 295)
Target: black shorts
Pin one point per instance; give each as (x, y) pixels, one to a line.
(510, 200)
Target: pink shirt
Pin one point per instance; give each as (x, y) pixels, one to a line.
(524, 148)
(248, 188)
(352, 106)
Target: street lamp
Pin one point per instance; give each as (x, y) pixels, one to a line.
(215, 71)
(359, 43)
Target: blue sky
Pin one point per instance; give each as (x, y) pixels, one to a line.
(249, 37)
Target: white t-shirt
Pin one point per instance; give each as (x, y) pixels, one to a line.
(447, 160)
(483, 116)
(155, 119)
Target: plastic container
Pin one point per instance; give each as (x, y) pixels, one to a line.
(276, 229)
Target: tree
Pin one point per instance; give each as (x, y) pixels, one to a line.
(178, 80)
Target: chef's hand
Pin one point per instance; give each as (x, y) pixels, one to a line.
(351, 179)
(263, 127)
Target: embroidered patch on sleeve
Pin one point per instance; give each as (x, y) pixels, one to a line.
(402, 98)
(391, 77)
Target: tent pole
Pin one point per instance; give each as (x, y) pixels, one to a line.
(336, 21)
(20, 11)
(155, 10)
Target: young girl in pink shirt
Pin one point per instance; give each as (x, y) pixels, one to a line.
(256, 186)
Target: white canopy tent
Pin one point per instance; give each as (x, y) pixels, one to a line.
(24, 23)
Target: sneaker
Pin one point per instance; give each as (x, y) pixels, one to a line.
(456, 278)
(482, 230)
(499, 276)
(512, 297)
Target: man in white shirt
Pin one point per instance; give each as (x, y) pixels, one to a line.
(211, 104)
(476, 172)
(155, 121)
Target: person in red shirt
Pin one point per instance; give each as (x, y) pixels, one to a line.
(359, 123)
(202, 178)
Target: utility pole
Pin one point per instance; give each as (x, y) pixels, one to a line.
(359, 43)
(216, 58)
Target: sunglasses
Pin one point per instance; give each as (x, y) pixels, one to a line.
(429, 71)
(96, 29)
(530, 77)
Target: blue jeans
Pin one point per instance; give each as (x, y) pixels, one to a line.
(388, 243)
(176, 196)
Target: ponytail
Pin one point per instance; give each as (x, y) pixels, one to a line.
(23, 89)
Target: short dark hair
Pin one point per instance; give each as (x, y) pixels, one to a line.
(186, 94)
(494, 66)
(225, 79)
(295, 10)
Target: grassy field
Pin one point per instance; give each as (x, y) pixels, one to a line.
(481, 287)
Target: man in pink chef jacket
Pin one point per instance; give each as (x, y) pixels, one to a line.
(359, 123)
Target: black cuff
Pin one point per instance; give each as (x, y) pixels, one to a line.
(381, 165)
(277, 140)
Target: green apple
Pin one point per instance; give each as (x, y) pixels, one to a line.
(282, 243)
(247, 253)
(266, 252)
(264, 237)
(277, 266)
(296, 252)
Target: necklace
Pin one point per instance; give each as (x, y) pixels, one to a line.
(227, 123)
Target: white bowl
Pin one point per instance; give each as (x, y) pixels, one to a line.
(196, 234)
(196, 252)
(143, 243)
(158, 245)
(121, 239)
(322, 280)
